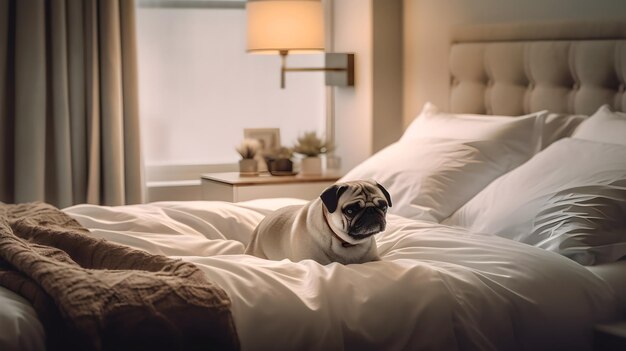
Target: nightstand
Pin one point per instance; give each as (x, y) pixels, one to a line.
(610, 337)
(231, 187)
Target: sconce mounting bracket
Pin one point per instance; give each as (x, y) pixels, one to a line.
(338, 68)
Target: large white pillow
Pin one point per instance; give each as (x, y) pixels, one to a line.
(431, 123)
(585, 223)
(569, 198)
(604, 126)
(442, 160)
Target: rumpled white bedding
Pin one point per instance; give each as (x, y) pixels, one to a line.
(436, 288)
(20, 329)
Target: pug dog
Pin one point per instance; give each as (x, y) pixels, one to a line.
(336, 227)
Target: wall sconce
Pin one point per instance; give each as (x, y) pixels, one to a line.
(293, 26)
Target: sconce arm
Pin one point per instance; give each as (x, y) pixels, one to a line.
(341, 63)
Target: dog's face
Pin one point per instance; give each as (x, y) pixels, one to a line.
(356, 210)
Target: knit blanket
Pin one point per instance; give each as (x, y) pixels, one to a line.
(91, 294)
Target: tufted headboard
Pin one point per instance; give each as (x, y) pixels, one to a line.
(567, 67)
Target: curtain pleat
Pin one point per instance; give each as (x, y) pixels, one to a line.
(69, 121)
(111, 102)
(30, 100)
(132, 161)
(78, 124)
(7, 99)
(92, 91)
(62, 156)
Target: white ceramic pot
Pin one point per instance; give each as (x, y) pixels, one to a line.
(311, 166)
(248, 167)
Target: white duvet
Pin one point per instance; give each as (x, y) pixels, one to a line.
(436, 288)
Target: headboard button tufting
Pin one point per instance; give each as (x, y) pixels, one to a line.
(560, 73)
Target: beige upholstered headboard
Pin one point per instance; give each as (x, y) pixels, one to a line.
(567, 67)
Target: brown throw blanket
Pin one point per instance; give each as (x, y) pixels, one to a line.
(91, 294)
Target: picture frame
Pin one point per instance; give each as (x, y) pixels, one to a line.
(268, 137)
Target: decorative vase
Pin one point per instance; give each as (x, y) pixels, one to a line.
(311, 166)
(280, 166)
(248, 167)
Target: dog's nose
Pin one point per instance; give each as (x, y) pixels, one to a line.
(370, 209)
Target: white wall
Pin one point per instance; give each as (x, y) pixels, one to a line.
(387, 72)
(428, 24)
(353, 106)
(368, 116)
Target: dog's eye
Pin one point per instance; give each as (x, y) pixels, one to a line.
(382, 206)
(352, 209)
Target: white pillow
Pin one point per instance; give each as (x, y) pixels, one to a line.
(431, 123)
(604, 126)
(586, 223)
(550, 200)
(557, 126)
(443, 160)
(434, 124)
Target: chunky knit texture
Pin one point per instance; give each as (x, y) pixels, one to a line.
(96, 295)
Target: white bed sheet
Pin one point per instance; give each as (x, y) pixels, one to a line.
(437, 287)
(614, 274)
(20, 329)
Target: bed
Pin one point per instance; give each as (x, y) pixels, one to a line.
(497, 240)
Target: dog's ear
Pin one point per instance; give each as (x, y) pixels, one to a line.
(330, 196)
(385, 192)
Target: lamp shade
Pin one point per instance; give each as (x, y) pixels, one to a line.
(291, 25)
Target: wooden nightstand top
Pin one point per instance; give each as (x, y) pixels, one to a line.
(233, 178)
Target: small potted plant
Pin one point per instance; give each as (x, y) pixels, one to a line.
(248, 149)
(311, 146)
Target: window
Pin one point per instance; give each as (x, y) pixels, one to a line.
(198, 88)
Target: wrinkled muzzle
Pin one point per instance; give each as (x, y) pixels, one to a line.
(369, 222)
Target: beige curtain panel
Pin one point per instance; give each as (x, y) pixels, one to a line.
(69, 121)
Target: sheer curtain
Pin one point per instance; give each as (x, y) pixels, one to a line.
(69, 120)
